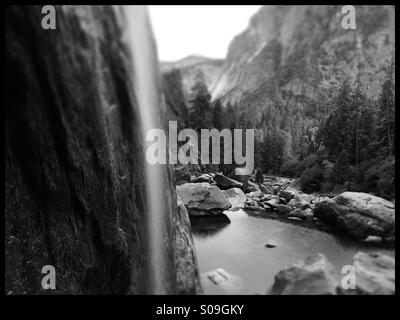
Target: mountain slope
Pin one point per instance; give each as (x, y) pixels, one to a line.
(303, 52)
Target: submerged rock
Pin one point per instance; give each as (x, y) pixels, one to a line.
(314, 275)
(228, 282)
(359, 214)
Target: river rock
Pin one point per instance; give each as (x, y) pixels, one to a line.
(295, 218)
(375, 274)
(314, 275)
(252, 205)
(249, 186)
(206, 177)
(359, 214)
(270, 245)
(255, 194)
(373, 239)
(236, 197)
(303, 214)
(292, 202)
(282, 208)
(202, 198)
(287, 195)
(225, 182)
(266, 189)
(302, 205)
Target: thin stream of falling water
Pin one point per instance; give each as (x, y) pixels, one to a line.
(138, 39)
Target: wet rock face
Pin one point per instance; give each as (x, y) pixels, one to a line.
(75, 194)
(188, 279)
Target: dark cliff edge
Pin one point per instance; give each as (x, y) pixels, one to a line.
(74, 162)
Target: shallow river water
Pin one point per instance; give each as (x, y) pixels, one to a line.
(239, 248)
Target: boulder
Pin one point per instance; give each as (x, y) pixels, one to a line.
(202, 198)
(292, 202)
(287, 195)
(375, 274)
(303, 214)
(282, 208)
(252, 205)
(249, 186)
(359, 214)
(265, 198)
(314, 275)
(206, 177)
(302, 205)
(225, 182)
(255, 194)
(266, 189)
(272, 204)
(282, 200)
(236, 197)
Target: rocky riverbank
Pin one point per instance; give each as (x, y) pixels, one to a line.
(359, 215)
(363, 217)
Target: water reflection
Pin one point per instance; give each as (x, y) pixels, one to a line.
(207, 226)
(239, 249)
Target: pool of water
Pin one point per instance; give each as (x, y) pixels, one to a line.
(239, 248)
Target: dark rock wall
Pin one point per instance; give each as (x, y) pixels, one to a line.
(74, 184)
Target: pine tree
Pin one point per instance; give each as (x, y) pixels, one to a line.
(341, 170)
(218, 116)
(386, 119)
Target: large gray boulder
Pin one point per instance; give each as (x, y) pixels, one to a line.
(236, 197)
(375, 274)
(359, 214)
(314, 275)
(202, 198)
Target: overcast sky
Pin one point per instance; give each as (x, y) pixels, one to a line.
(183, 30)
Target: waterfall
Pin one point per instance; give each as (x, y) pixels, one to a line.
(139, 41)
